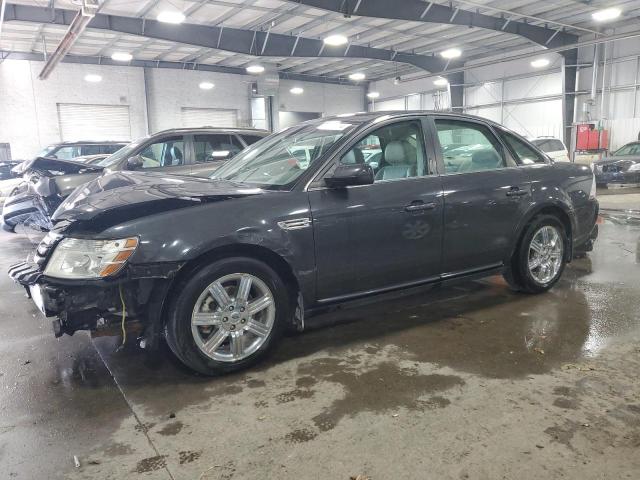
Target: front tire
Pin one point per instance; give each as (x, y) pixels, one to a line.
(227, 315)
(541, 256)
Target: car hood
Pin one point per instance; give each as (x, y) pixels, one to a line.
(612, 160)
(122, 196)
(53, 166)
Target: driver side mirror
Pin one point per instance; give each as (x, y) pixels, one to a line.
(351, 174)
(135, 163)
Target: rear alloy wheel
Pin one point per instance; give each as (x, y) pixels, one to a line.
(541, 256)
(546, 253)
(227, 315)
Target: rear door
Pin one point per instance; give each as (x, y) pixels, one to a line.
(212, 150)
(384, 235)
(485, 195)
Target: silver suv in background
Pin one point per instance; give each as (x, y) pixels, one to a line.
(556, 149)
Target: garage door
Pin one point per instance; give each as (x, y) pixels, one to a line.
(209, 117)
(94, 122)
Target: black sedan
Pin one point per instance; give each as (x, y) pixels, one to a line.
(621, 168)
(221, 266)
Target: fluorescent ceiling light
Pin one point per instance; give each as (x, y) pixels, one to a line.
(297, 90)
(335, 40)
(121, 57)
(357, 76)
(206, 85)
(606, 14)
(540, 62)
(451, 53)
(255, 69)
(441, 82)
(373, 94)
(171, 16)
(93, 78)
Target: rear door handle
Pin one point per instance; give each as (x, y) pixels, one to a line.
(516, 192)
(417, 207)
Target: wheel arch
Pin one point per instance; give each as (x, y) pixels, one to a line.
(558, 210)
(256, 252)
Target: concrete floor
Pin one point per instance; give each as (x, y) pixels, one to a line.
(470, 381)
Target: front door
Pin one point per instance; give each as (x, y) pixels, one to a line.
(388, 234)
(485, 195)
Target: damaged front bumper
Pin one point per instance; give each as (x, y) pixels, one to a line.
(134, 300)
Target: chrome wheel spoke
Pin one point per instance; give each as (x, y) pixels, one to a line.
(259, 304)
(219, 294)
(206, 319)
(536, 247)
(535, 263)
(257, 328)
(244, 288)
(213, 343)
(237, 345)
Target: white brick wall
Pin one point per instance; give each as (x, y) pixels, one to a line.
(28, 106)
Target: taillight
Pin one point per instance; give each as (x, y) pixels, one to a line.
(592, 193)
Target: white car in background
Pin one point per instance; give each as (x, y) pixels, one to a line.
(553, 147)
(10, 187)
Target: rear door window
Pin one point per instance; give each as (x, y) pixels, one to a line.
(468, 147)
(214, 147)
(251, 139)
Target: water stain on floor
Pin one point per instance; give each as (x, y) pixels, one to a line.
(383, 388)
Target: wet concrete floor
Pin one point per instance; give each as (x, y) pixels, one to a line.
(469, 381)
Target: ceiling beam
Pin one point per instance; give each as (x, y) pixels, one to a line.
(431, 12)
(106, 61)
(224, 38)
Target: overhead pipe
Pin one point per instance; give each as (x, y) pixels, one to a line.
(594, 72)
(76, 27)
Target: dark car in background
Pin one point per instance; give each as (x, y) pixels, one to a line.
(622, 167)
(188, 151)
(221, 266)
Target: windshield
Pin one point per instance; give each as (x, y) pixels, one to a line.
(278, 160)
(124, 152)
(628, 150)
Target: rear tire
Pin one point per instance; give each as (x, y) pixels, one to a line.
(541, 256)
(227, 315)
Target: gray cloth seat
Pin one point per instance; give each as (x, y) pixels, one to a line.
(400, 160)
(481, 160)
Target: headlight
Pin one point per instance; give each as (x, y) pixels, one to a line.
(634, 168)
(78, 259)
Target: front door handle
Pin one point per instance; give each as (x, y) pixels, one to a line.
(417, 207)
(516, 192)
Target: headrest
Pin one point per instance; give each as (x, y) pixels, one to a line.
(399, 153)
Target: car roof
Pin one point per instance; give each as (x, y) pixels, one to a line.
(368, 117)
(205, 129)
(94, 142)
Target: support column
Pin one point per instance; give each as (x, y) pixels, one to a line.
(456, 91)
(569, 75)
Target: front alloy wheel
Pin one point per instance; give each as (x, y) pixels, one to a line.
(226, 315)
(233, 317)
